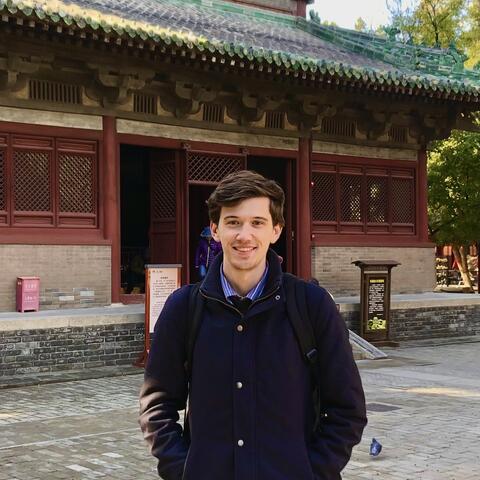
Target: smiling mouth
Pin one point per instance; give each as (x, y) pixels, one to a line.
(244, 249)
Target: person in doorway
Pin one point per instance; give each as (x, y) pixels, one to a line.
(251, 408)
(206, 251)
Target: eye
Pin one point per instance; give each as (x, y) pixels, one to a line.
(258, 223)
(232, 222)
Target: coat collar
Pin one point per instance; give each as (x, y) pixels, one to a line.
(211, 284)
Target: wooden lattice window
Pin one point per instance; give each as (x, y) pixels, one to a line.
(211, 167)
(403, 200)
(3, 180)
(76, 179)
(53, 182)
(144, 103)
(58, 92)
(32, 181)
(163, 191)
(353, 199)
(338, 127)
(275, 120)
(377, 199)
(398, 134)
(213, 113)
(76, 183)
(323, 193)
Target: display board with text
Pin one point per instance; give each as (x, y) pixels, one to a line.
(160, 282)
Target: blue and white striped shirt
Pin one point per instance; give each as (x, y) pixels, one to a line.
(253, 294)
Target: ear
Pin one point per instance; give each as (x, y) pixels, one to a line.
(214, 230)
(277, 231)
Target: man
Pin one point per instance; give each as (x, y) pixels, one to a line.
(251, 410)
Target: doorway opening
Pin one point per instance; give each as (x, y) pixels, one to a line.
(150, 214)
(197, 221)
(134, 218)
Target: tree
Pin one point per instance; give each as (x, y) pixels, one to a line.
(401, 19)
(453, 172)
(454, 195)
(361, 25)
(471, 37)
(436, 23)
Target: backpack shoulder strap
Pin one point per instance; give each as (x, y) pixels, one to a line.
(194, 320)
(299, 318)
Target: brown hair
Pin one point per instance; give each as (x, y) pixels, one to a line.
(239, 186)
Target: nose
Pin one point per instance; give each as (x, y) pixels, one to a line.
(245, 232)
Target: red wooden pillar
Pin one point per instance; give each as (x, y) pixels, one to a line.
(302, 8)
(111, 199)
(422, 222)
(304, 215)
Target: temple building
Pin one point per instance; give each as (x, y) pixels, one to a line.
(118, 118)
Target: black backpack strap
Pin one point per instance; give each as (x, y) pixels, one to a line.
(194, 321)
(299, 318)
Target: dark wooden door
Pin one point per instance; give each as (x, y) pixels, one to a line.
(165, 234)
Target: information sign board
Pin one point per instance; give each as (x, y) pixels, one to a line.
(375, 300)
(376, 303)
(160, 282)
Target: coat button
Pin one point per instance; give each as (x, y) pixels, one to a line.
(239, 385)
(240, 443)
(277, 297)
(239, 328)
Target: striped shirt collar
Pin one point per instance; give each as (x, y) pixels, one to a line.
(253, 294)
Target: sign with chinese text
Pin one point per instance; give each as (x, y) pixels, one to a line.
(161, 281)
(376, 303)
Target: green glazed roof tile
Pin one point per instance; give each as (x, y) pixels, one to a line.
(261, 36)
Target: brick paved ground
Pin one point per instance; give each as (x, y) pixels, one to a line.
(87, 429)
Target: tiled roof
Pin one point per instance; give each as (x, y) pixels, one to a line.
(261, 36)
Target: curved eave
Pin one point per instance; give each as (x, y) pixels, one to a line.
(140, 35)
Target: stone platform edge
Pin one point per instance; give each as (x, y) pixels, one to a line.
(44, 320)
(51, 319)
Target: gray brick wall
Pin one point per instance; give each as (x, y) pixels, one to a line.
(70, 275)
(69, 348)
(435, 322)
(333, 268)
(427, 323)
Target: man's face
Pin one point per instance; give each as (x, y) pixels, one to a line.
(246, 231)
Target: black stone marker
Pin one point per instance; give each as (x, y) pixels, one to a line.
(375, 300)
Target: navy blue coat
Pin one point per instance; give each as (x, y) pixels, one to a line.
(250, 404)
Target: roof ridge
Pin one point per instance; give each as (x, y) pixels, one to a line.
(419, 58)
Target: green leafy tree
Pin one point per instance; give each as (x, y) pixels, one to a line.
(471, 36)
(361, 25)
(453, 173)
(439, 22)
(436, 23)
(402, 20)
(454, 195)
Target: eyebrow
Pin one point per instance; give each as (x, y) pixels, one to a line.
(229, 217)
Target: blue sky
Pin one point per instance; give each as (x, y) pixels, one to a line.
(345, 12)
